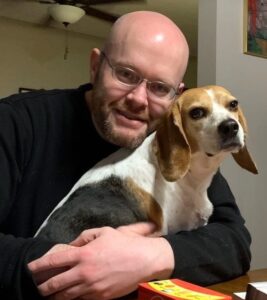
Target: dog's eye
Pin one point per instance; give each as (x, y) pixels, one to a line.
(233, 105)
(197, 113)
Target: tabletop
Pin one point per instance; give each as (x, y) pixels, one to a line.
(238, 284)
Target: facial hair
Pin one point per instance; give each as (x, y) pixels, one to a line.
(102, 119)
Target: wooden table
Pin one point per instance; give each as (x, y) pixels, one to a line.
(228, 287)
(240, 283)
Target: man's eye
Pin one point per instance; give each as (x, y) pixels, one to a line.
(159, 88)
(233, 105)
(127, 76)
(197, 113)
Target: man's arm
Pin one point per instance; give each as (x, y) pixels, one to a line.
(216, 252)
(105, 263)
(15, 280)
(15, 253)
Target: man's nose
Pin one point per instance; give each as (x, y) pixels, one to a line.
(138, 95)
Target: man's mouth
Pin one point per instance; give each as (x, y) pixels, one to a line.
(130, 120)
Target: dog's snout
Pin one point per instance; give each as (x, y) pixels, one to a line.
(228, 129)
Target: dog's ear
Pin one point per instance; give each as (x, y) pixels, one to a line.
(171, 147)
(243, 157)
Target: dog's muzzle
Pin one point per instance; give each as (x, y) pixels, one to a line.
(228, 132)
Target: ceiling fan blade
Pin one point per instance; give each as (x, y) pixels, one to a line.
(95, 2)
(46, 22)
(47, 1)
(94, 12)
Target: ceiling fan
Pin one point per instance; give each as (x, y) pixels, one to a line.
(70, 11)
(88, 9)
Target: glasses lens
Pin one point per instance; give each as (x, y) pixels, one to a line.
(129, 77)
(126, 75)
(160, 89)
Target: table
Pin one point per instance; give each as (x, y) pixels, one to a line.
(238, 284)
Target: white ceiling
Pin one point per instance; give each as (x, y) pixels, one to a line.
(183, 12)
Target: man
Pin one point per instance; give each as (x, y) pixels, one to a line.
(45, 141)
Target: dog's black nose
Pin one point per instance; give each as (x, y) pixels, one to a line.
(228, 129)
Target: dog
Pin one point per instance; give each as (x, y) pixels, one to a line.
(165, 180)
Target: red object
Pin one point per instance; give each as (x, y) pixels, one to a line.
(177, 289)
(252, 10)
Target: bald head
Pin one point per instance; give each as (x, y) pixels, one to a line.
(142, 68)
(149, 33)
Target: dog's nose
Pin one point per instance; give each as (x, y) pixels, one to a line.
(228, 128)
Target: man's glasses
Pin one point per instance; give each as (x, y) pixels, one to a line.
(130, 78)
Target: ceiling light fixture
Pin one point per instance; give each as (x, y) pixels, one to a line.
(66, 14)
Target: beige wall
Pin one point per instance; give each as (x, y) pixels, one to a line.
(190, 77)
(221, 61)
(33, 57)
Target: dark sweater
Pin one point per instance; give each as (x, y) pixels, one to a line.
(47, 141)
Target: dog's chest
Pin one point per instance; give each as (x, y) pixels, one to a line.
(184, 207)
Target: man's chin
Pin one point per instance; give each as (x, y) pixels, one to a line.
(127, 138)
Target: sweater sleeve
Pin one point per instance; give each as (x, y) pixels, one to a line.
(16, 281)
(15, 252)
(218, 251)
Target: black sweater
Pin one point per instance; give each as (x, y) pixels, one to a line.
(47, 141)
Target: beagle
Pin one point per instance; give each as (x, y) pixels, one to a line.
(165, 180)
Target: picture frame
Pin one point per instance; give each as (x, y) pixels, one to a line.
(255, 27)
(25, 90)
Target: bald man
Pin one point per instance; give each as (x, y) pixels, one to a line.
(45, 144)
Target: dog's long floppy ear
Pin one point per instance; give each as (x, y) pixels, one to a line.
(172, 148)
(243, 157)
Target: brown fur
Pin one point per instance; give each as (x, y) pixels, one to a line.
(147, 203)
(174, 145)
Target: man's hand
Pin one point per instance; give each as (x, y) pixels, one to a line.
(142, 228)
(105, 263)
(41, 277)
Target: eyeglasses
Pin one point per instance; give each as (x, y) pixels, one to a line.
(131, 79)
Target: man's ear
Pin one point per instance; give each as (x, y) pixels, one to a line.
(95, 63)
(181, 88)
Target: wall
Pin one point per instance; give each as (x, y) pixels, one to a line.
(223, 62)
(190, 78)
(33, 57)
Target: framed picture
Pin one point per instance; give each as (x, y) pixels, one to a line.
(255, 27)
(25, 90)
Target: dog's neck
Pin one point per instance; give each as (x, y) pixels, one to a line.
(203, 166)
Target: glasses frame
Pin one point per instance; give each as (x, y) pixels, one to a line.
(173, 91)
